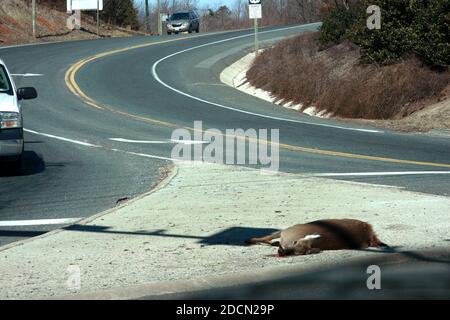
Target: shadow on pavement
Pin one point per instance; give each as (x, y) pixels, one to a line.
(33, 164)
(410, 254)
(235, 236)
(400, 277)
(20, 234)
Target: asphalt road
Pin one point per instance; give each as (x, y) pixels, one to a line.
(75, 170)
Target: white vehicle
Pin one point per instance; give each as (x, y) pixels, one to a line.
(11, 130)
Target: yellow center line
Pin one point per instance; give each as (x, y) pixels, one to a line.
(70, 80)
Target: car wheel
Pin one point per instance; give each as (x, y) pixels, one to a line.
(190, 29)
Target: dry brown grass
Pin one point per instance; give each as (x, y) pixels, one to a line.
(334, 80)
(15, 23)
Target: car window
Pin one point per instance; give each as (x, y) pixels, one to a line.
(5, 84)
(180, 16)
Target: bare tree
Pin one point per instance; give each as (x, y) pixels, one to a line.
(275, 12)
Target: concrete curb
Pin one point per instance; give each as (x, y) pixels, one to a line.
(442, 133)
(165, 180)
(235, 77)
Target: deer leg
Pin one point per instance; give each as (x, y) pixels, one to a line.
(272, 240)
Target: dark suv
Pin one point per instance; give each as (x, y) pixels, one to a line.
(182, 21)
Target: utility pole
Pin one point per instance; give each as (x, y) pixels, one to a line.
(98, 18)
(33, 9)
(147, 17)
(159, 18)
(256, 37)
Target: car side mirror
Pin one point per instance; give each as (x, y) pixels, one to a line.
(27, 93)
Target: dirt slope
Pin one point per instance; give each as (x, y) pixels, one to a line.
(16, 24)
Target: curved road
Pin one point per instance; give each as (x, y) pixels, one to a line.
(98, 99)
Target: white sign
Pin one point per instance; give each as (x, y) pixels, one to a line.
(84, 5)
(255, 10)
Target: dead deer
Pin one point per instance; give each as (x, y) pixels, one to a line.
(313, 237)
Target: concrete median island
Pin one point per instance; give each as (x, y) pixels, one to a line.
(193, 227)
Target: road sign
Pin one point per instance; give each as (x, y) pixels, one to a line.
(255, 9)
(84, 5)
(255, 13)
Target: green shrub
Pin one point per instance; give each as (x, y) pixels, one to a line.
(335, 27)
(418, 27)
(121, 12)
(432, 31)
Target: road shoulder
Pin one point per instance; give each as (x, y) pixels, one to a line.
(433, 119)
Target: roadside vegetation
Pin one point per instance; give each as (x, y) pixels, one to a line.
(119, 18)
(128, 17)
(226, 15)
(354, 72)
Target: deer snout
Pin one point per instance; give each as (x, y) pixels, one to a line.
(285, 252)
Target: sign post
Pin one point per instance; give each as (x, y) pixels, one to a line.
(159, 19)
(147, 17)
(255, 12)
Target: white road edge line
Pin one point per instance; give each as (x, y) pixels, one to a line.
(187, 142)
(81, 143)
(359, 183)
(89, 145)
(26, 75)
(41, 222)
(139, 141)
(380, 174)
(317, 175)
(144, 155)
(157, 78)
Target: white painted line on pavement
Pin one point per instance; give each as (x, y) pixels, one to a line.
(85, 144)
(145, 155)
(377, 185)
(381, 174)
(157, 78)
(139, 141)
(187, 142)
(318, 175)
(26, 75)
(41, 222)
